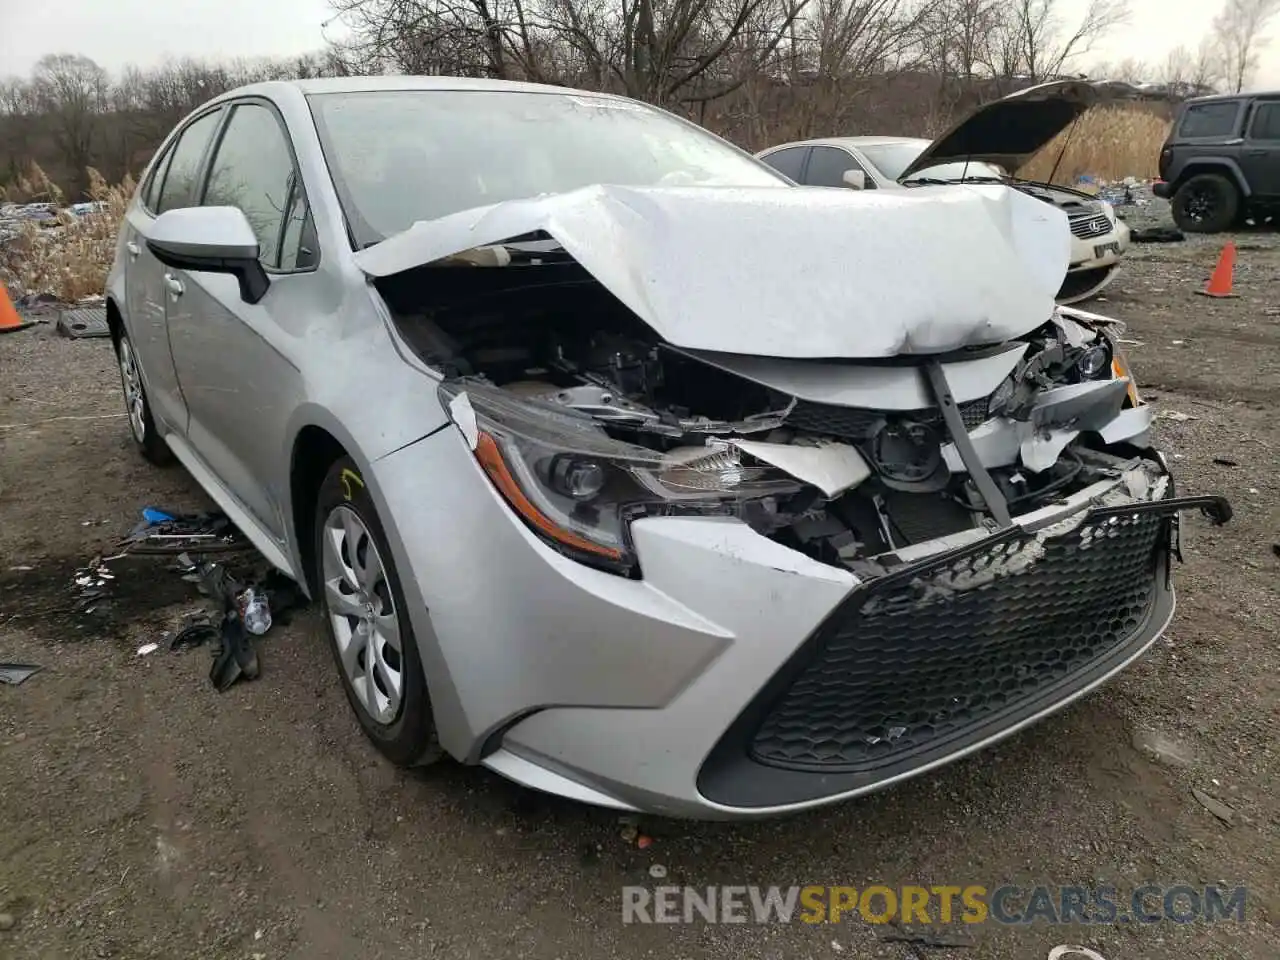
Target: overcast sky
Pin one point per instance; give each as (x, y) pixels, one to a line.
(145, 32)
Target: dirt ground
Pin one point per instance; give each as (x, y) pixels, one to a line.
(143, 815)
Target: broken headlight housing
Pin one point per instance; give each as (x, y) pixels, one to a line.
(578, 489)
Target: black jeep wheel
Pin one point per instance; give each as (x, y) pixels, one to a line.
(1207, 203)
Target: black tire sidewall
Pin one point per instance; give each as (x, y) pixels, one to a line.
(1226, 204)
(410, 739)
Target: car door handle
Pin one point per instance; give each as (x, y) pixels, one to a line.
(1257, 153)
(133, 248)
(174, 284)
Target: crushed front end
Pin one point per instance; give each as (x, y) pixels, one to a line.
(969, 540)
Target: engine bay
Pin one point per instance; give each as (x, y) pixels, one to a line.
(864, 481)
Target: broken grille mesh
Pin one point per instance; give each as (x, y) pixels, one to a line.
(858, 423)
(922, 661)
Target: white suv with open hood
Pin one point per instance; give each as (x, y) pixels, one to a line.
(988, 146)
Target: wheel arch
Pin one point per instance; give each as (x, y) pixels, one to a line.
(314, 451)
(1223, 166)
(115, 321)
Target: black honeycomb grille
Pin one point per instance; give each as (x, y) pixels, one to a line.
(910, 663)
(858, 423)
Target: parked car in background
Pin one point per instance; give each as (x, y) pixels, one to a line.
(642, 491)
(988, 146)
(1220, 164)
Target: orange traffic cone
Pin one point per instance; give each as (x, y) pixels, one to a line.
(1220, 282)
(9, 319)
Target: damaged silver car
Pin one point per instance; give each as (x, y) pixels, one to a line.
(627, 469)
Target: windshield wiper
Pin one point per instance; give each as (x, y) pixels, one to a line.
(926, 182)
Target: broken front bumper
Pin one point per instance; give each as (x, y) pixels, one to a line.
(934, 660)
(945, 655)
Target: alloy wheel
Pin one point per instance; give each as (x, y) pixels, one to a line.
(1199, 205)
(363, 615)
(133, 397)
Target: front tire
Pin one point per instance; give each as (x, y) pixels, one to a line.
(141, 422)
(367, 618)
(1207, 203)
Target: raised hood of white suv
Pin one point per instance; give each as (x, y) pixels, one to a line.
(786, 271)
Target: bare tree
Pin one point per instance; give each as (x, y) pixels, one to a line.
(1238, 31)
(1187, 74)
(72, 91)
(1030, 41)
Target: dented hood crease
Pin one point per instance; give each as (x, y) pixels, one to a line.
(787, 271)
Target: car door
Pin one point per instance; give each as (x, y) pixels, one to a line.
(169, 184)
(233, 358)
(828, 165)
(1260, 156)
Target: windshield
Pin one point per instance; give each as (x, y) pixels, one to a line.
(406, 155)
(892, 158)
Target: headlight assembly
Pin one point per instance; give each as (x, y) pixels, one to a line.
(579, 489)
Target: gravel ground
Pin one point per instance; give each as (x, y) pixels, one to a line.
(143, 815)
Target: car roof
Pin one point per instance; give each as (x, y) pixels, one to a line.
(851, 142)
(1221, 97)
(326, 85)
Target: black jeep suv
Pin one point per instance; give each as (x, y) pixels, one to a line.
(1221, 162)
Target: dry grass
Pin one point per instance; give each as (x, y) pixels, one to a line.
(1109, 142)
(68, 258)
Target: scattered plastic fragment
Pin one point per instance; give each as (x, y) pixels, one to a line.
(1175, 415)
(658, 871)
(194, 633)
(1178, 343)
(152, 515)
(924, 938)
(14, 674)
(1254, 490)
(644, 842)
(147, 649)
(198, 533)
(1224, 462)
(1214, 806)
(1068, 950)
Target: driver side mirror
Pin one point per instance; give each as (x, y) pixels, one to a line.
(857, 179)
(212, 240)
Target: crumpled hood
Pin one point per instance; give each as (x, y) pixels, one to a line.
(1010, 131)
(787, 271)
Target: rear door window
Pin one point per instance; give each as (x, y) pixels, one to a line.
(151, 190)
(788, 162)
(1266, 121)
(1210, 119)
(181, 180)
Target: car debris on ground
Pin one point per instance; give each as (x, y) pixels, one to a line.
(1214, 806)
(250, 599)
(15, 674)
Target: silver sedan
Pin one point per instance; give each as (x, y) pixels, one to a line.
(623, 467)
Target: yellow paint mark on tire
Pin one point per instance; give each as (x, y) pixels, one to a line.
(346, 478)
